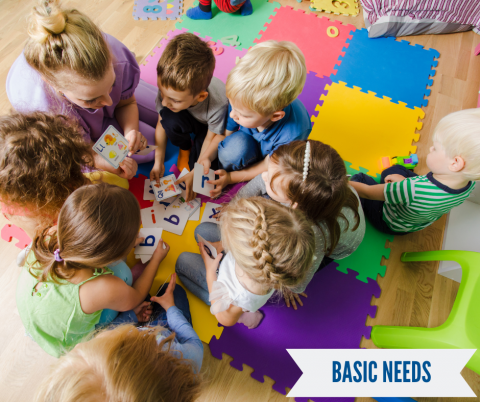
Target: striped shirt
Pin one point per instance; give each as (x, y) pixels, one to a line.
(415, 203)
(460, 11)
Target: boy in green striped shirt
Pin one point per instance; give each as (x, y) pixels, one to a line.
(405, 202)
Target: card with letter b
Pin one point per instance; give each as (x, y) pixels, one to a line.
(152, 237)
(112, 146)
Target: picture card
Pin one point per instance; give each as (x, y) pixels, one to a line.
(166, 188)
(148, 191)
(152, 237)
(152, 216)
(195, 216)
(189, 206)
(210, 212)
(112, 146)
(200, 184)
(211, 251)
(147, 150)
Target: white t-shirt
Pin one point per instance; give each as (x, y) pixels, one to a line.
(227, 290)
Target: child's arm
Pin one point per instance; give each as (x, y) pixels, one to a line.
(228, 317)
(375, 192)
(158, 169)
(128, 168)
(111, 292)
(126, 113)
(207, 157)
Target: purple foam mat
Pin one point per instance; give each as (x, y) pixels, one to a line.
(333, 317)
(313, 89)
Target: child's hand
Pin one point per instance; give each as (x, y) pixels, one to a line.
(157, 172)
(128, 168)
(161, 252)
(210, 263)
(136, 141)
(392, 178)
(188, 180)
(166, 300)
(222, 181)
(291, 297)
(143, 312)
(206, 164)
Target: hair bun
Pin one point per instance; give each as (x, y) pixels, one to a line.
(47, 18)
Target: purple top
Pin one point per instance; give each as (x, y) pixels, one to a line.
(27, 91)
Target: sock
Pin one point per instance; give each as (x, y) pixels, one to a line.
(197, 13)
(251, 320)
(183, 157)
(247, 8)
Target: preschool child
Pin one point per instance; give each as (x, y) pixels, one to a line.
(190, 100)
(264, 111)
(311, 176)
(132, 364)
(405, 202)
(64, 285)
(204, 10)
(268, 247)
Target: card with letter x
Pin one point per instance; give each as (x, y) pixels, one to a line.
(211, 212)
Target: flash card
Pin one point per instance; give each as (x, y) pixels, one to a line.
(152, 216)
(152, 237)
(174, 218)
(190, 206)
(195, 216)
(211, 212)
(147, 150)
(211, 251)
(143, 257)
(200, 184)
(148, 191)
(166, 188)
(112, 146)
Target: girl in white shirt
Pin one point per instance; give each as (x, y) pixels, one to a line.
(262, 247)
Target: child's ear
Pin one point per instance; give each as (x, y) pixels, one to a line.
(457, 164)
(202, 96)
(276, 116)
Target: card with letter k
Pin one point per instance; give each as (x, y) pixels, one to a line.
(152, 237)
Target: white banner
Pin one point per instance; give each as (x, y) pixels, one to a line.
(381, 373)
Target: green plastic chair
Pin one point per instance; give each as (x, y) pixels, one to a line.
(461, 330)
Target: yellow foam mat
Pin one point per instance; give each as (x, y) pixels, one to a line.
(363, 127)
(344, 7)
(204, 323)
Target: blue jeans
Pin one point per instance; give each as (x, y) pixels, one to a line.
(190, 267)
(238, 151)
(373, 209)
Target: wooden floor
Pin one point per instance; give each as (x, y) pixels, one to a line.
(412, 294)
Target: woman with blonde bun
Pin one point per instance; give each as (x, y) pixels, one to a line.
(70, 67)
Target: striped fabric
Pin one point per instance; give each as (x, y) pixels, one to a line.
(415, 203)
(465, 12)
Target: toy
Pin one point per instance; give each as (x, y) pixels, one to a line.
(157, 9)
(337, 7)
(332, 32)
(11, 231)
(460, 330)
(408, 162)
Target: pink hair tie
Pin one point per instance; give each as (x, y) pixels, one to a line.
(57, 255)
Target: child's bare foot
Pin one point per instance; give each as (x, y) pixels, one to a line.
(251, 320)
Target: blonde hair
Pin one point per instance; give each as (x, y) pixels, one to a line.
(268, 78)
(122, 364)
(272, 244)
(65, 40)
(459, 135)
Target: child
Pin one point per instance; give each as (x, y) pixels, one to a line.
(268, 247)
(64, 285)
(204, 10)
(318, 188)
(190, 100)
(264, 111)
(126, 363)
(404, 202)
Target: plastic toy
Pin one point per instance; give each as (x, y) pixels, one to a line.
(407, 161)
(332, 32)
(11, 231)
(337, 7)
(460, 330)
(157, 9)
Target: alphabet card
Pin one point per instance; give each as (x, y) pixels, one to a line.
(152, 217)
(211, 212)
(152, 237)
(176, 217)
(166, 188)
(200, 184)
(211, 251)
(112, 146)
(148, 191)
(147, 150)
(195, 216)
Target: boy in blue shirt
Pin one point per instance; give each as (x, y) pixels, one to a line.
(264, 112)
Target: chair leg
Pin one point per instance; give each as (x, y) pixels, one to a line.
(409, 338)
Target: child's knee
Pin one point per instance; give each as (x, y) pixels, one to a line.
(237, 151)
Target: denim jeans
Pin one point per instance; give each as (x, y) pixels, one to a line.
(190, 267)
(238, 151)
(373, 209)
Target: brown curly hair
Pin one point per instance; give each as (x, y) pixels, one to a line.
(273, 244)
(41, 161)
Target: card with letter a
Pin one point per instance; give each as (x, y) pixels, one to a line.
(166, 188)
(112, 146)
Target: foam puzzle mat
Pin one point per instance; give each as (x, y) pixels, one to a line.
(339, 7)
(157, 9)
(333, 317)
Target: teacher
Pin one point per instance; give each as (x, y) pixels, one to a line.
(68, 66)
